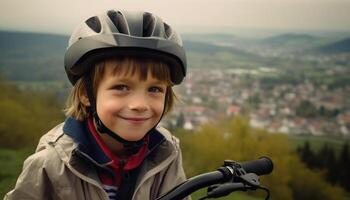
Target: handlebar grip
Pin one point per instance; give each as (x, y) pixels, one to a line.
(261, 166)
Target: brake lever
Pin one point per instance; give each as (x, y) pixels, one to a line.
(251, 179)
(225, 189)
(240, 181)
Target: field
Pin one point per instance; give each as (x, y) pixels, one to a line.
(317, 142)
(11, 162)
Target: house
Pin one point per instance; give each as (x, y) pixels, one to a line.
(233, 110)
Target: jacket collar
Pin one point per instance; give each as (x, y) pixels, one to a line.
(88, 147)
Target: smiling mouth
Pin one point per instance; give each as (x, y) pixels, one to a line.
(136, 119)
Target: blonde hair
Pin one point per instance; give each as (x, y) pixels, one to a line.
(121, 66)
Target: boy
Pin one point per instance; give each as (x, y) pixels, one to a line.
(123, 66)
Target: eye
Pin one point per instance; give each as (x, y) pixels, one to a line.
(122, 88)
(156, 89)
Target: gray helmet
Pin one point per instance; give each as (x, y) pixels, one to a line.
(124, 33)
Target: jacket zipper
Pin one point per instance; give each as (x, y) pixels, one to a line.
(86, 178)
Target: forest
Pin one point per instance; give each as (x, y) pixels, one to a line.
(335, 165)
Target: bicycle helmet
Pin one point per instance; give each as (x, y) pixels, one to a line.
(122, 33)
(118, 32)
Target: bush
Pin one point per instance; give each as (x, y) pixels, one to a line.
(25, 116)
(205, 150)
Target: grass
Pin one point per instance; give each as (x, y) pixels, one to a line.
(11, 162)
(317, 142)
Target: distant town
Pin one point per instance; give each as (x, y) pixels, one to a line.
(209, 95)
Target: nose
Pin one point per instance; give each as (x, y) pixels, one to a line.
(138, 102)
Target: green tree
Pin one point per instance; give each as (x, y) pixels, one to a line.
(206, 148)
(26, 116)
(344, 166)
(180, 121)
(308, 156)
(307, 184)
(306, 109)
(332, 167)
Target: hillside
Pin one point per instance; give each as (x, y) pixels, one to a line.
(28, 44)
(39, 57)
(35, 57)
(202, 47)
(342, 46)
(292, 41)
(32, 56)
(217, 38)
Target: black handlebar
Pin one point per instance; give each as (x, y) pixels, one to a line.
(261, 166)
(193, 184)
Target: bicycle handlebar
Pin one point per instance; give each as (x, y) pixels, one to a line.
(261, 166)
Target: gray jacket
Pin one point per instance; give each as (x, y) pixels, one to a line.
(54, 171)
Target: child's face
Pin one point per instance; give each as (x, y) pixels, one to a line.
(128, 105)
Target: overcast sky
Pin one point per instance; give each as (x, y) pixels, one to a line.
(62, 16)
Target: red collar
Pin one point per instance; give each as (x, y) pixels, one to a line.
(129, 163)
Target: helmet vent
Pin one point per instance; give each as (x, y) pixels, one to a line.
(148, 24)
(94, 23)
(119, 21)
(168, 30)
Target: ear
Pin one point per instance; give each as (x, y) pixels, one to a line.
(84, 100)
